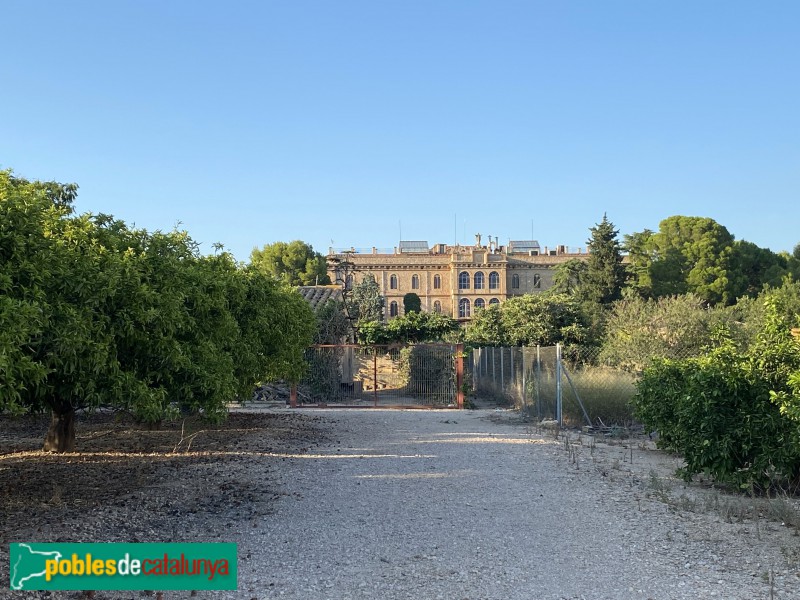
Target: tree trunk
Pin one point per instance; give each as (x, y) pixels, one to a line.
(61, 435)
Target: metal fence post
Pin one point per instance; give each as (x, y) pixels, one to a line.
(558, 385)
(524, 394)
(537, 387)
(494, 370)
(375, 375)
(502, 372)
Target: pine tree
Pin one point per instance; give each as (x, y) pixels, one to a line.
(605, 273)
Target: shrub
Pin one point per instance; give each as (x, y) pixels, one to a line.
(716, 411)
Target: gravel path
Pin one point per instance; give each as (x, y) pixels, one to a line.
(456, 505)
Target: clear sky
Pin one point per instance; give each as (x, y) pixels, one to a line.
(343, 121)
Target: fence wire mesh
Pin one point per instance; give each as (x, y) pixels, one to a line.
(593, 390)
(416, 375)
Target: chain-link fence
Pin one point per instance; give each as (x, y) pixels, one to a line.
(572, 385)
(414, 375)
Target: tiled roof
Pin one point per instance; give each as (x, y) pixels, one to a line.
(318, 295)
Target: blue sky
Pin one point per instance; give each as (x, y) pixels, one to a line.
(254, 122)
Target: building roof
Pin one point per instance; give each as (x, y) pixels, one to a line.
(318, 295)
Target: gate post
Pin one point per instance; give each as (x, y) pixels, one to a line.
(459, 375)
(293, 396)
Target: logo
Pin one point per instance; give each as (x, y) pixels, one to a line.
(123, 566)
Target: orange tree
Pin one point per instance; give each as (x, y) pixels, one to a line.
(93, 313)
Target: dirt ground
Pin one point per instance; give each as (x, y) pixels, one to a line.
(194, 482)
(129, 484)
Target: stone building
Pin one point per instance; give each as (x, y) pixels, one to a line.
(454, 280)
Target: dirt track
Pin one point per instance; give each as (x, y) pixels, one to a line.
(397, 504)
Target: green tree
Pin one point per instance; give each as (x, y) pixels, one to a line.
(687, 254)
(756, 267)
(639, 330)
(733, 412)
(637, 246)
(25, 253)
(411, 303)
(366, 301)
(542, 319)
(605, 275)
(93, 313)
(486, 327)
(294, 263)
(412, 327)
(793, 262)
(569, 276)
(332, 323)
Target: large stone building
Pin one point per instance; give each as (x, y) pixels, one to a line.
(454, 280)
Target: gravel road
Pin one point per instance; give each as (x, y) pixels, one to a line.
(470, 505)
(389, 504)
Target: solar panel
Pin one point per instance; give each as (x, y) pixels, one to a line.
(523, 246)
(414, 247)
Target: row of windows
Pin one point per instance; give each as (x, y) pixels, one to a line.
(478, 280)
(537, 281)
(464, 307)
(464, 281)
(494, 281)
(393, 285)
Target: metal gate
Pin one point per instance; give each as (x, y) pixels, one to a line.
(402, 376)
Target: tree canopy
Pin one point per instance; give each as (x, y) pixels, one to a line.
(366, 300)
(529, 320)
(411, 303)
(411, 327)
(95, 313)
(293, 263)
(687, 254)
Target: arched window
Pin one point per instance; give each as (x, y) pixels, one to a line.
(463, 308)
(437, 282)
(479, 280)
(348, 282)
(393, 282)
(494, 301)
(393, 309)
(494, 280)
(537, 281)
(415, 282)
(437, 307)
(515, 282)
(463, 280)
(480, 303)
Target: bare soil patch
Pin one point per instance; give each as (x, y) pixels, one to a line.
(188, 481)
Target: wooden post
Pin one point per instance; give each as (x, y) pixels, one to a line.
(459, 375)
(293, 396)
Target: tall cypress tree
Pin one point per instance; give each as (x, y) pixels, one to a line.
(605, 274)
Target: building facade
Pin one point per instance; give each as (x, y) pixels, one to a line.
(454, 280)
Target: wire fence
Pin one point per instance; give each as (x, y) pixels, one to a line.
(574, 386)
(415, 375)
